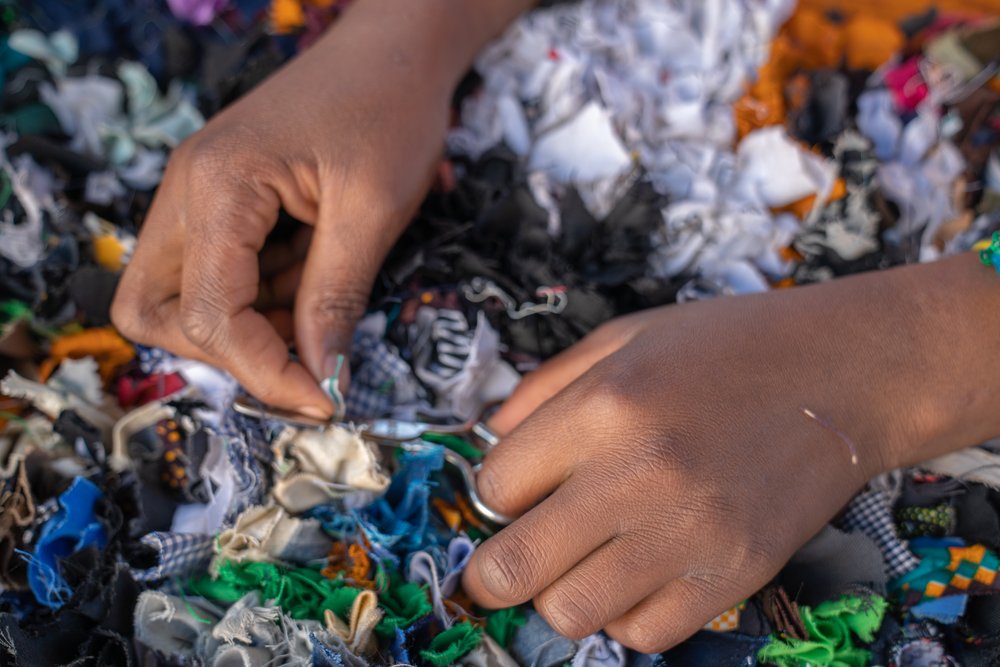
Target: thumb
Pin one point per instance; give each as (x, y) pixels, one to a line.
(343, 259)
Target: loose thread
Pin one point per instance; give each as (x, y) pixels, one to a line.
(837, 432)
(333, 389)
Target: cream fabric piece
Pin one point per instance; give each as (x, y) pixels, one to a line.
(270, 535)
(358, 633)
(316, 466)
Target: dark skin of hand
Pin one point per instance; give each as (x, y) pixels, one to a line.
(663, 469)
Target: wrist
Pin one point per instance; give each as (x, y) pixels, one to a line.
(436, 40)
(955, 317)
(904, 356)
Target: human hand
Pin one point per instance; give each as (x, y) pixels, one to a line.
(346, 139)
(668, 468)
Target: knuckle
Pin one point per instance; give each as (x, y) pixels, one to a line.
(507, 572)
(204, 159)
(611, 399)
(571, 610)
(710, 585)
(336, 305)
(755, 553)
(201, 323)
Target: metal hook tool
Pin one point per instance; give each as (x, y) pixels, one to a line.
(397, 433)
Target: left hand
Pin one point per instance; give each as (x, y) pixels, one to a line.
(667, 469)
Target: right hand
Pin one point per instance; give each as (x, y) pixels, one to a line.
(345, 138)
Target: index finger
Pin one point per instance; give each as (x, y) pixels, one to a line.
(227, 228)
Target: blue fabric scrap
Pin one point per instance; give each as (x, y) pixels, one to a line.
(72, 528)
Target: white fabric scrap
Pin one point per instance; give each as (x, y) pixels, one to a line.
(611, 89)
(776, 171)
(584, 149)
(80, 377)
(21, 240)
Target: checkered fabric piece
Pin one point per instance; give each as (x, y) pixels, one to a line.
(178, 554)
(381, 381)
(373, 383)
(972, 564)
(952, 570)
(727, 621)
(871, 514)
(152, 359)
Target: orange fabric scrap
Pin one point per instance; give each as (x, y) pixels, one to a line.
(821, 40)
(801, 208)
(871, 42)
(352, 562)
(809, 41)
(451, 515)
(467, 513)
(290, 15)
(105, 345)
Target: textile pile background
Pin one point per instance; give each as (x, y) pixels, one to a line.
(605, 157)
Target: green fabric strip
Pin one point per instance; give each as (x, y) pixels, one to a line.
(832, 627)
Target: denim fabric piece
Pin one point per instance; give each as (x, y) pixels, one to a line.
(947, 610)
(332, 653)
(537, 644)
(871, 514)
(177, 554)
(719, 650)
(249, 457)
(72, 528)
(925, 652)
(599, 651)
